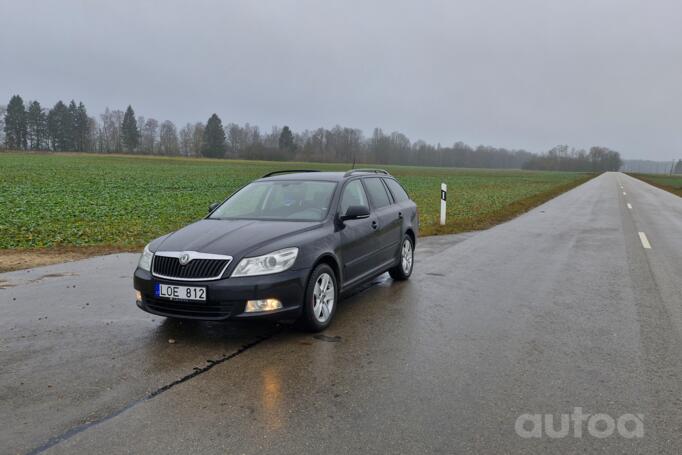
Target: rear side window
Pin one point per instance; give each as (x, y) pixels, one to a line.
(377, 192)
(353, 194)
(397, 191)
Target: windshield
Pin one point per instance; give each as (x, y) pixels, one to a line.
(292, 200)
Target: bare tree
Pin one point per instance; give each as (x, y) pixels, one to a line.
(401, 148)
(91, 136)
(198, 138)
(110, 131)
(117, 137)
(315, 145)
(271, 140)
(185, 134)
(148, 140)
(235, 137)
(168, 138)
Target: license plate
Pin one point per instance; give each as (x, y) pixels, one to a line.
(169, 291)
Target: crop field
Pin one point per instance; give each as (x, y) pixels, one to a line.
(52, 201)
(672, 183)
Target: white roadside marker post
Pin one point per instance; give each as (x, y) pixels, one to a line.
(443, 199)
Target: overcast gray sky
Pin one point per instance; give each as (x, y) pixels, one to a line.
(515, 73)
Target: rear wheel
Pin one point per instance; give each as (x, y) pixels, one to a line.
(403, 269)
(321, 297)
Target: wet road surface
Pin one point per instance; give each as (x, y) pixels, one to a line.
(560, 308)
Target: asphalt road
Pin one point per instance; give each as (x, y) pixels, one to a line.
(563, 307)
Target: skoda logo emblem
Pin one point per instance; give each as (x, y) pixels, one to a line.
(184, 258)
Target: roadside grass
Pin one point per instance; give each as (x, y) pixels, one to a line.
(671, 183)
(53, 202)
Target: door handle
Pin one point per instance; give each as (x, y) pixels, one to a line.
(374, 225)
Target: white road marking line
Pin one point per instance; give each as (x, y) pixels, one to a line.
(629, 206)
(645, 241)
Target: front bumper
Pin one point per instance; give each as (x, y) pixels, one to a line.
(226, 298)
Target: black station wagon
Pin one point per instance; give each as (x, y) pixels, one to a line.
(284, 246)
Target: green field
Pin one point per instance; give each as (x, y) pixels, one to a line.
(62, 200)
(672, 183)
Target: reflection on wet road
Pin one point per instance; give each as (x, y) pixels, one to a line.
(76, 351)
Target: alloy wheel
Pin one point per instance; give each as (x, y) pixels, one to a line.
(406, 257)
(323, 297)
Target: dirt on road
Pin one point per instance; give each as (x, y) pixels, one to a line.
(19, 259)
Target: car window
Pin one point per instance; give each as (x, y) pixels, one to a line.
(397, 191)
(240, 206)
(353, 194)
(377, 192)
(295, 200)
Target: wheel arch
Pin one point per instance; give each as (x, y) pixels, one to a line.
(331, 261)
(410, 232)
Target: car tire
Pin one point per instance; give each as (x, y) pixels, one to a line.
(319, 306)
(403, 269)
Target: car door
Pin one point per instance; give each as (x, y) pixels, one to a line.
(407, 210)
(389, 223)
(357, 237)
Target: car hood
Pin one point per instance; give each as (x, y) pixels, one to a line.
(231, 237)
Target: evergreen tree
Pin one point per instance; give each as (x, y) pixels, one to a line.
(15, 124)
(214, 138)
(3, 110)
(58, 127)
(286, 140)
(52, 133)
(131, 135)
(70, 127)
(81, 128)
(36, 126)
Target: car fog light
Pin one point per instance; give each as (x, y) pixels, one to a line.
(138, 296)
(253, 306)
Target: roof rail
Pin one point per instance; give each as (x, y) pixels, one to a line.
(371, 171)
(288, 171)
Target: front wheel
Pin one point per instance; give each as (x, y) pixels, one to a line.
(321, 297)
(403, 269)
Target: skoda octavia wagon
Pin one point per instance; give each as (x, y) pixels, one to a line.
(284, 246)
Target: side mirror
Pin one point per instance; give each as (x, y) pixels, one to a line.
(355, 212)
(213, 206)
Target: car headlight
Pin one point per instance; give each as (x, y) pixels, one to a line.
(275, 262)
(146, 259)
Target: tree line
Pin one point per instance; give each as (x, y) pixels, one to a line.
(562, 158)
(62, 128)
(68, 127)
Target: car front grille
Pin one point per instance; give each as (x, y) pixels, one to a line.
(196, 269)
(190, 310)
